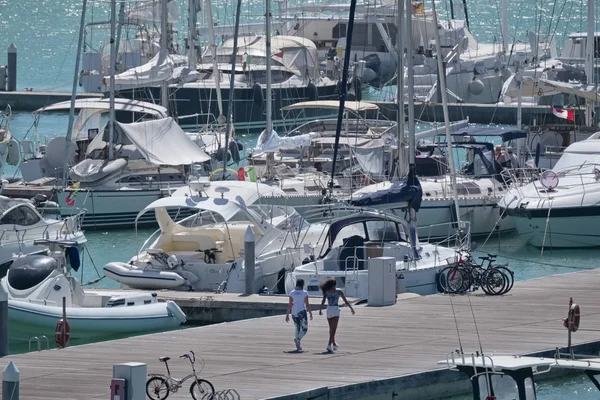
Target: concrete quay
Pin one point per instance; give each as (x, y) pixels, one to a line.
(384, 352)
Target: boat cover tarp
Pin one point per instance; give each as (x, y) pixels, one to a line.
(274, 142)
(408, 190)
(370, 156)
(152, 12)
(161, 142)
(159, 69)
(578, 89)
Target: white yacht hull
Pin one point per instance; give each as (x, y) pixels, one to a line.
(558, 231)
(26, 320)
(110, 208)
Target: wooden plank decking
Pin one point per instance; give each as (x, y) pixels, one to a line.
(255, 356)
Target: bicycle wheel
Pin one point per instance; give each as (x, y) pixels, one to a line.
(510, 275)
(494, 282)
(452, 280)
(157, 388)
(202, 389)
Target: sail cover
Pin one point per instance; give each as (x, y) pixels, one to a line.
(151, 13)
(161, 142)
(405, 191)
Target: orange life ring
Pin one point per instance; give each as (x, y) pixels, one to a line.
(573, 319)
(62, 339)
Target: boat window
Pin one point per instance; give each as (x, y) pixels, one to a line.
(277, 76)
(21, 215)
(504, 387)
(383, 231)
(339, 31)
(467, 188)
(357, 229)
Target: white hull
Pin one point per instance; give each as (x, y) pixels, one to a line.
(559, 232)
(110, 208)
(26, 320)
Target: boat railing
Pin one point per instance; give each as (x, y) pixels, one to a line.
(38, 340)
(517, 177)
(456, 237)
(70, 225)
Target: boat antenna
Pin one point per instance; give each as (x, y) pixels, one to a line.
(69, 134)
(343, 90)
(236, 30)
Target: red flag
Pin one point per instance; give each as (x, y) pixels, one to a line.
(564, 114)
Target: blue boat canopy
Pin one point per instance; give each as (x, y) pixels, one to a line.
(408, 190)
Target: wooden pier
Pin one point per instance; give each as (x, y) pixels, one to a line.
(381, 349)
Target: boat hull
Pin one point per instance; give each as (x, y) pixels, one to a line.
(567, 231)
(27, 320)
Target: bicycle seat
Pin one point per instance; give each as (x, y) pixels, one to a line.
(484, 258)
(164, 359)
(492, 255)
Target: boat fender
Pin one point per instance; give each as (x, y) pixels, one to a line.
(62, 339)
(235, 151)
(281, 281)
(357, 89)
(312, 94)
(573, 318)
(257, 94)
(175, 311)
(241, 174)
(72, 254)
(14, 152)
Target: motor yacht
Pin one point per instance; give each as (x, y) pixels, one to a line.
(560, 210)
(205, 252)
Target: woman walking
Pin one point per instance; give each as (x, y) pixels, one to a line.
(332, 295)
(298, 305)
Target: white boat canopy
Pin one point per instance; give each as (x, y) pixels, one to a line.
(354, 106)
(162, 142)
(104, 104)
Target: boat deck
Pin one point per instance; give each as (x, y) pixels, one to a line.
(378, 345)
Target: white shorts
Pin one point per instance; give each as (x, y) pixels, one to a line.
(333, 311)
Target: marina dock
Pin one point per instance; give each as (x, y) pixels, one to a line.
(384, 351)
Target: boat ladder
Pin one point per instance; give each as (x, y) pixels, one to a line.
(39, 342)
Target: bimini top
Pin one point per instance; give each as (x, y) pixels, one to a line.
(354, 106)
(507, 134)
(225, 198)
(134, 106)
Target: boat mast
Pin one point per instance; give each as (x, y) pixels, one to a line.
(232, 80)
(213, 51)
(269, 128)
(113, 65)
(589, 59)
(343, 89)
(410, 88)
(164, 48)
(192, 21)
(442, 78)
(73, 93)
(400, 170)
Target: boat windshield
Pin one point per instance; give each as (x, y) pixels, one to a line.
(571, 162)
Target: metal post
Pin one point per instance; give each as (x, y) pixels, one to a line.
(10, 382)
(12, 68)
(3, 322)
(112, 68)
(164, 49)
(64, 317)
(249, 260)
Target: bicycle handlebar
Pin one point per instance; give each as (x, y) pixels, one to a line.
(192, 358)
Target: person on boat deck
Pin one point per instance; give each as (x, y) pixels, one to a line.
(332, 295)
(298, 306)
(500, 157)
(514, 161)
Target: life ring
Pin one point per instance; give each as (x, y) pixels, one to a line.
(62, 340)
(217, 174)
(573, 318)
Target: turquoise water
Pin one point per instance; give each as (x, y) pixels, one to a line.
(45, 33)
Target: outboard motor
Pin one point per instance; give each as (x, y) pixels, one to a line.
(29, 271)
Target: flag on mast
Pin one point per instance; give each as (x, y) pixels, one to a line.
(564, 114)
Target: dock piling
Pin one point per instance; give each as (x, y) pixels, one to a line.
(249, 260)
(3, 322)
(10, 382)
(12, 68)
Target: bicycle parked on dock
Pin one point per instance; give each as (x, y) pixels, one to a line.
(467, 275)
(159, 386)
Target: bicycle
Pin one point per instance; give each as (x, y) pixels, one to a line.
(159, 386)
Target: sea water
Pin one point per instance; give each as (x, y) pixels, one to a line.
(46, 32)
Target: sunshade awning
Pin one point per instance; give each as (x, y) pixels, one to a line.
(104, 104)
(354, 106)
